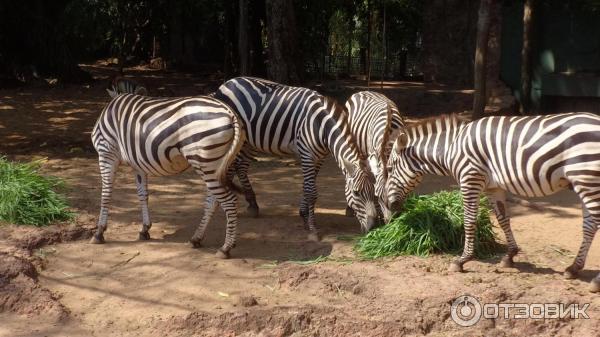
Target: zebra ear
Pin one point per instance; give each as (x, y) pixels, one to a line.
(141, 91)
(349, 167)
(401, 142)
(112, 92)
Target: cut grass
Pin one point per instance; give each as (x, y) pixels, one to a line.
(28, 198)
(429, 224)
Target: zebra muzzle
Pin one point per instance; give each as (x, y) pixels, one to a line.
(396, 206)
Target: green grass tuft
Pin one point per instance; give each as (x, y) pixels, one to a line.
(429, 224)
(27, 198)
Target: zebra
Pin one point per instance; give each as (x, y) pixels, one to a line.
(285, 120)
(375, 123)
(165, 136)
(122, 85)
(529, 156)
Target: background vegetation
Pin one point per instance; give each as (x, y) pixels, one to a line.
(49, 38)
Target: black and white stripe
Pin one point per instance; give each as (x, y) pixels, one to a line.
(528, 156)
(122, 85)
(375, 123)
(284, 120)
(165, 136)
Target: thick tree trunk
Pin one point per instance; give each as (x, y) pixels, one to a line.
(384, 46)
(243, 38)
(176, 35)
(284, 60)
(483, 27)
(229, 60)
(369, 29)
(526, 57)
(256, 21)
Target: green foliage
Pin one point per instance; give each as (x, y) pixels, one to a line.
(27, 198)
(429, 224)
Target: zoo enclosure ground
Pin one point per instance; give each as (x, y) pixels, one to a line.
(164, 287)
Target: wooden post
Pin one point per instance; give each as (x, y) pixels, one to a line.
(526, 57)
(483, 27)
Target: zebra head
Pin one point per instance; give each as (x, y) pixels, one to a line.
(378, 168)
(403, 175)
(360, 194)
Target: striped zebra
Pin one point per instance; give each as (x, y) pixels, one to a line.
(375, 123)
(284, 120)
(165, 136)
(528, 156)
(122, 85)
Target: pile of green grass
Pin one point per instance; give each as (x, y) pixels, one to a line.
(28, 198)
(429, 224)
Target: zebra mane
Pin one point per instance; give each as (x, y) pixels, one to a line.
(339, 112)
(428, 126)
(438, 124)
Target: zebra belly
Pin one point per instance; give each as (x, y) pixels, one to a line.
(164, 166)
(530, 187)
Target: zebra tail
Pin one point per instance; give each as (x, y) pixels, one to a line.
(239, 138)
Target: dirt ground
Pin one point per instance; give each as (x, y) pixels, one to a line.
(53, 283)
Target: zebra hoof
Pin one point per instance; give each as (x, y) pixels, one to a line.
(349, 212)
(97, 239)
(143, 236)
(222, 254)
(507, 262)
(595, 285)
(571, 272)
(455, 267)
(252, 212)
(314, 237)
(196, 243)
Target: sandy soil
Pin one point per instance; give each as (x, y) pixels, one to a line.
(272, 286)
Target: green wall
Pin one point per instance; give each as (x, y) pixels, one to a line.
(566, 50)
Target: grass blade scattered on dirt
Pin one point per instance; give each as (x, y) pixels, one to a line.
(429, 224)
(28, 198)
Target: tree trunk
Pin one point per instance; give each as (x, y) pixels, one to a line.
(526, 57)
(256, 21)
(284, 61)
(243, 38)
(176, 34)
(369, 28)
(483, 27)
(384, 46)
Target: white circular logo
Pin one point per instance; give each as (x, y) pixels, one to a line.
(465, 310)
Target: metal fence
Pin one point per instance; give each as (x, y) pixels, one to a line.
(407, 65)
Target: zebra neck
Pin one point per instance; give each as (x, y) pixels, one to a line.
(431, 159)
(432, 151)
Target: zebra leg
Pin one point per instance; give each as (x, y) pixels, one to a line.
(591, 221)
(303, 211)
(242, 164)
(498, 202)
(108, 167)
(309, 171)
(228, 202)
(210, 205)
(589, 231)
(470, 193)
(141, 180)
